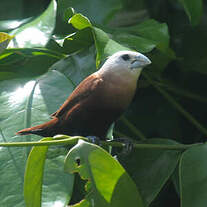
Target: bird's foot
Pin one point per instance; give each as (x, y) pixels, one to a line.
(94, 140)
(128, 145)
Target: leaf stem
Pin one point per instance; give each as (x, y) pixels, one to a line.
(66, 140)
(181, 92)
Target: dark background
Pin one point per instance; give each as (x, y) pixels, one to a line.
(183, 77)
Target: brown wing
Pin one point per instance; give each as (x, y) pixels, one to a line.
(81, 92)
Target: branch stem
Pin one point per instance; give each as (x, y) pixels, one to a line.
(65, 140)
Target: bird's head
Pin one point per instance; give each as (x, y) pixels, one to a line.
(125, 62)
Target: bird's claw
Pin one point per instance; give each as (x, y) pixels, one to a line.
(94, 140)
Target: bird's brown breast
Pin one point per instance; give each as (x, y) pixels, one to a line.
(91, 108)
(96, 111)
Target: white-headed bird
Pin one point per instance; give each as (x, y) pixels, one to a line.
(98, 100)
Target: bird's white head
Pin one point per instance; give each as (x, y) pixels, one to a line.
(125, 63)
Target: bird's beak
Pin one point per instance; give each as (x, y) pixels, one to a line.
(140, 61)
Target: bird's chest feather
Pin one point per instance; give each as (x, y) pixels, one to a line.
(117, 93)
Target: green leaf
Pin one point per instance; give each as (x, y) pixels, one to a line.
(4, 41)
(78, 41)
(26, 102)
(149, 32)
(151, 168)
(79, 21)
(26, 62)
(37, 32)
(104, 45)
(193, 171)
(89, 8)
(74, 67)
(58, 192)
(194, 10)
(69, 12)
(34, 184)
(138, 43)
(33, 177)
(106, 177)
(154, 31)
(6, 25)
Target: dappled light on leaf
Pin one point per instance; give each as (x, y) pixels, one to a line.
(37, 32)
(58, 204)
(12, 24)
(39, 37)
(23, 92)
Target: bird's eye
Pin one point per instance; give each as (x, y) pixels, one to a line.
(125, 57)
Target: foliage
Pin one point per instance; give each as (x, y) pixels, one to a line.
(54, 46)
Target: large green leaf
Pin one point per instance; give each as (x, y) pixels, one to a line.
(151, 168)
(35, 184)
(33, 178)
(26, 102)
(193, 9)
(145, 36)
(193, 174)
(155, 31)
(108, 183)
(74, 67)
(37, 32)
(28, 62)
(139, 43)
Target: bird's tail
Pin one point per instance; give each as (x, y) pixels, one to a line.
(47, 129)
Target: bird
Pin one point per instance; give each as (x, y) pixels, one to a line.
(98, 101)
